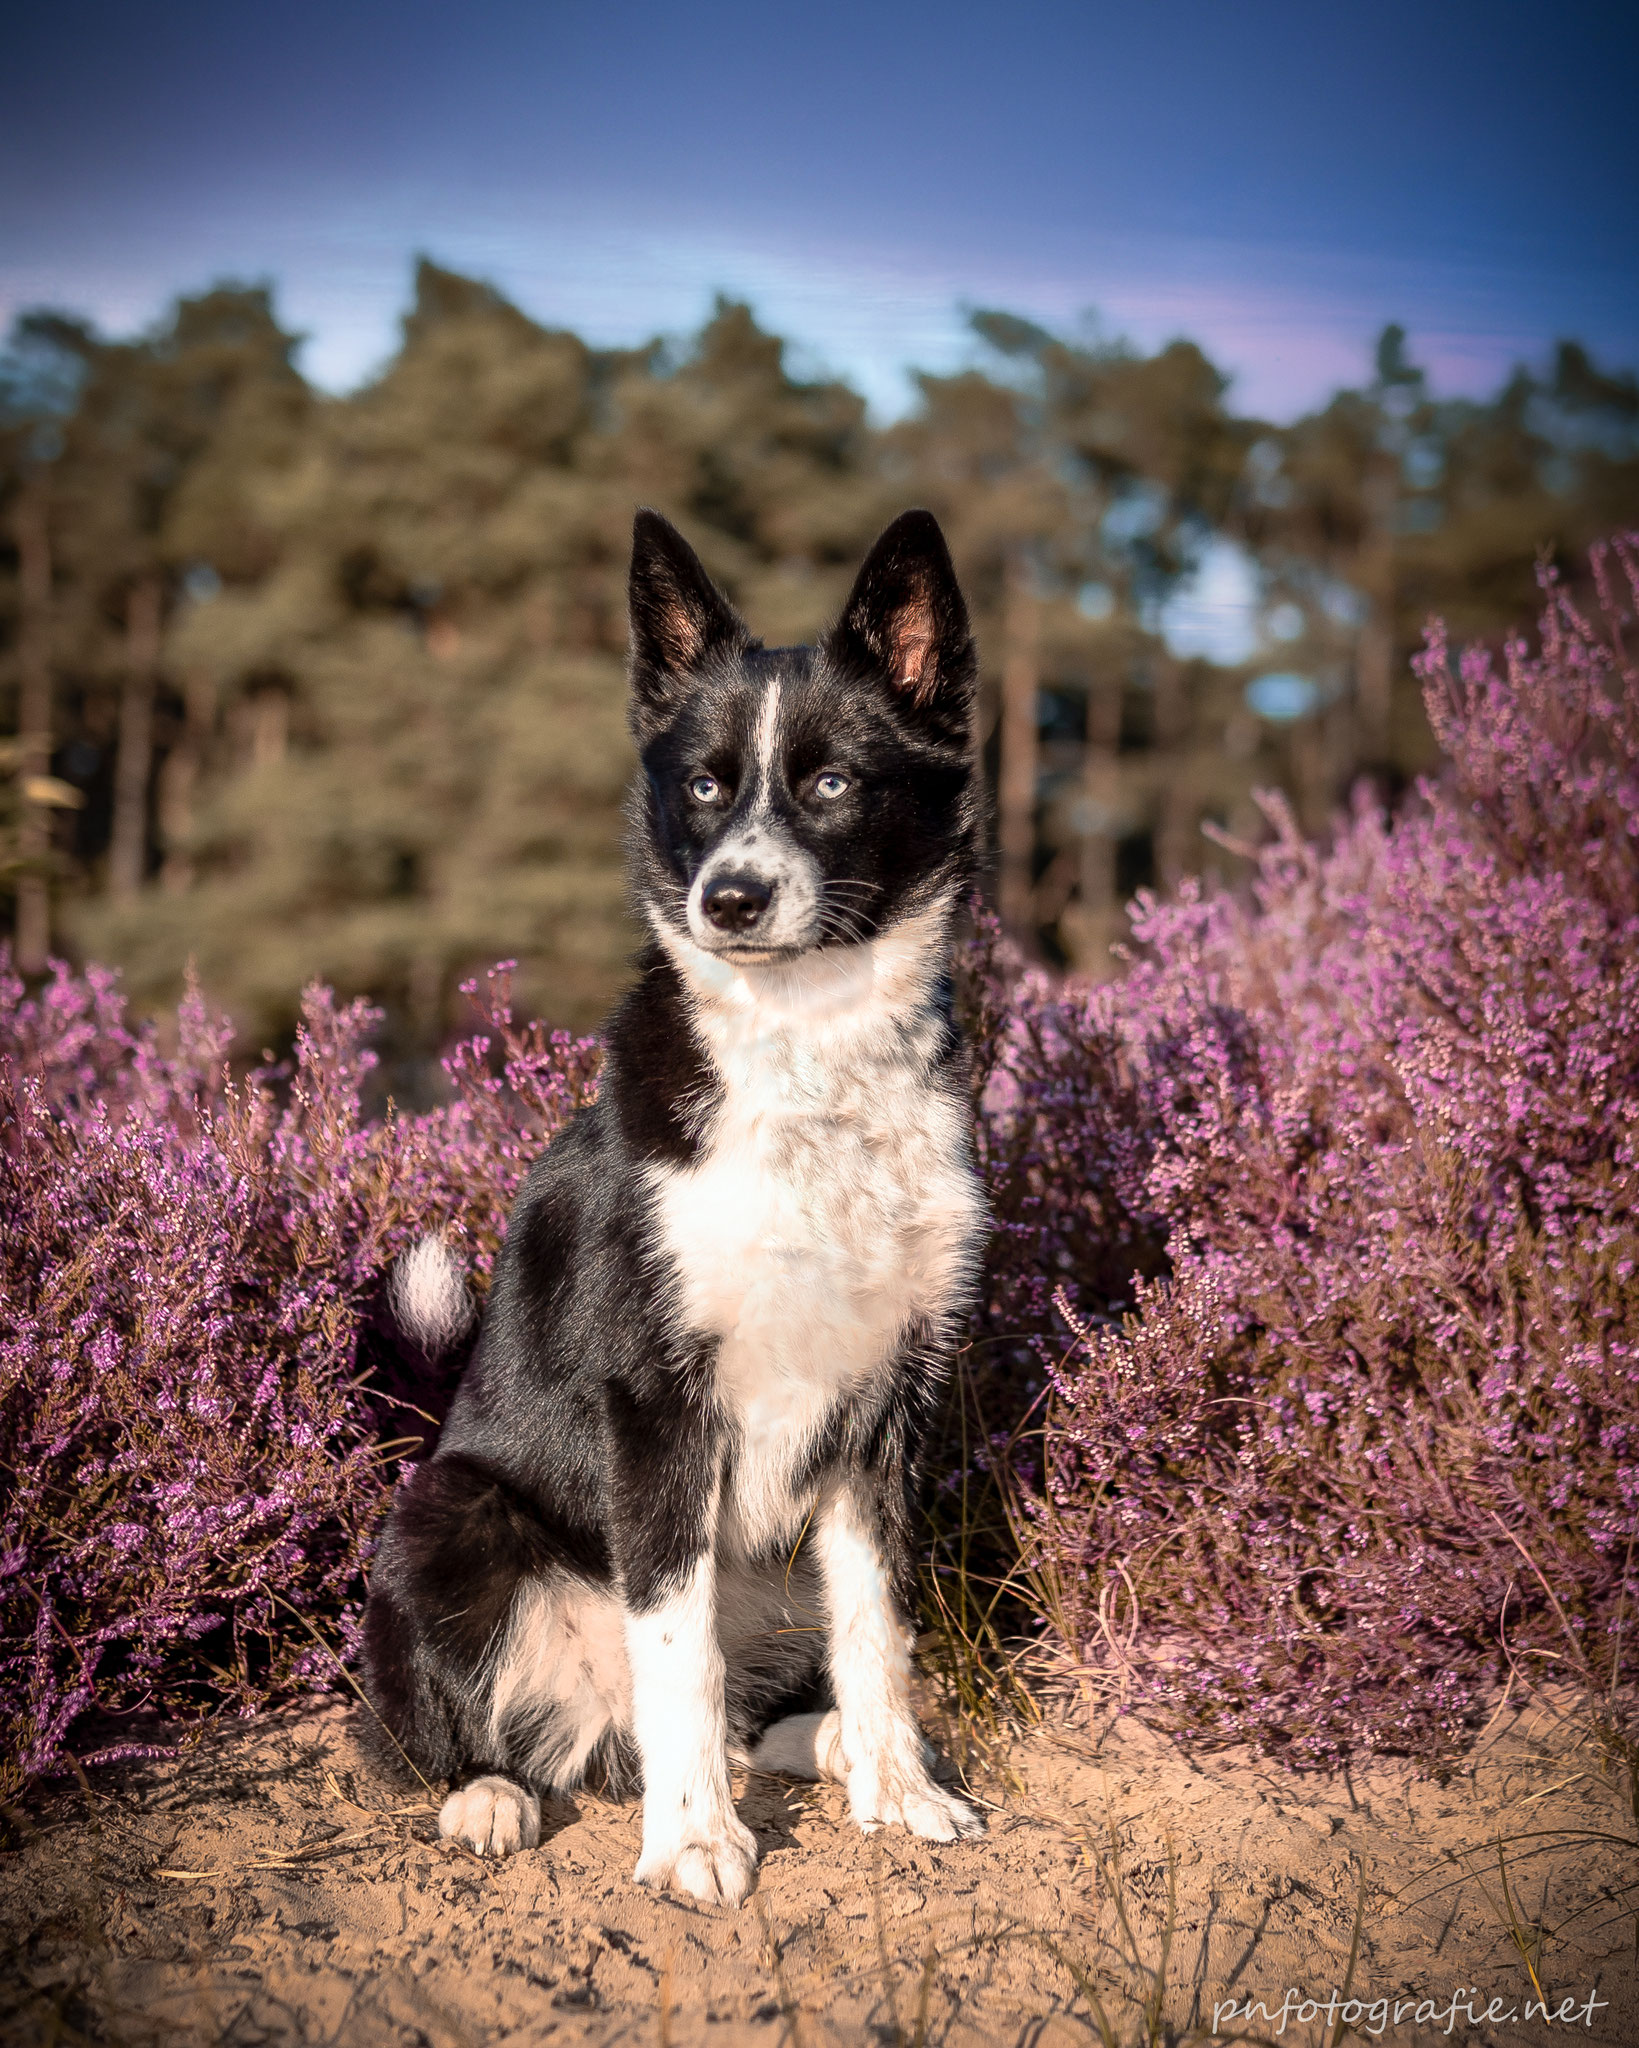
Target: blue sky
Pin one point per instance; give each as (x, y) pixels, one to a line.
(1276, 180)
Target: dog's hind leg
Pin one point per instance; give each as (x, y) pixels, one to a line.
(558, 1691)
(473, 1665)
(810, 1746)
(803, 1746)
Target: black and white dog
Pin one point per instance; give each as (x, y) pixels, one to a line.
(672, 1502)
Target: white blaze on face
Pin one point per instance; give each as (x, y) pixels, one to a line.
(762, 848)
(768, 735)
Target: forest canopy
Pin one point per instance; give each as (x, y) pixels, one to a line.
(299, 686)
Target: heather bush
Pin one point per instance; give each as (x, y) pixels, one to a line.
(189, 1264)
(1335, 1195)
(1313, 1276)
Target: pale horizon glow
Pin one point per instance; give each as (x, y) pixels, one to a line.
(1287, 327)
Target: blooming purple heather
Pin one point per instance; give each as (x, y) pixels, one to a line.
(193, 1473)
(1320, 1227)
(1369, 1408)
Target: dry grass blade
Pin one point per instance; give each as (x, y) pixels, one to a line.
(298, 1859)
(357, 1690)
(1339, 2029)
(775, 1960)
(1516, 1933)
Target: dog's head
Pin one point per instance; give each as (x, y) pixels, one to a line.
(795, 798)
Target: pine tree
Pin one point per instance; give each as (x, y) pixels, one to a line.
(337, 683)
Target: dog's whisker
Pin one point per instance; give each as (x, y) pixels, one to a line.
(839, 927)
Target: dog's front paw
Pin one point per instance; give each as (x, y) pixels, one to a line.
(883, 1792)
(493, 1816)
(713, 1864)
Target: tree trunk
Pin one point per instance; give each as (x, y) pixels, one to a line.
(270, 728)
(133, 763)
(1178, 824)
(178, 779)
(1311, 786)
(1374, 657)
(1096, 921)
(33, 539)
(1016, 792)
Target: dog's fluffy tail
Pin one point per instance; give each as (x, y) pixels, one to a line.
(429, 1296)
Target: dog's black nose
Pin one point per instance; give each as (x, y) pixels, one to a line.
(735, 902)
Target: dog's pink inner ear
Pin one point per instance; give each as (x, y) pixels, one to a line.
(681, 632)
(911, 647)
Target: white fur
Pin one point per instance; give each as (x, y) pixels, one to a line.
(493, 1816)
(803, 1746)
(563, 1668)
(692, 1837)
(429, 1297)
(833, 1210)
(768, 733)
(884, 1759)
(793, 915)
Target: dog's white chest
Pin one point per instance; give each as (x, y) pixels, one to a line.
(833, 1211)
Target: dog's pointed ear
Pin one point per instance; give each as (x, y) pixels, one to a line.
(679, 618)
(905, 623)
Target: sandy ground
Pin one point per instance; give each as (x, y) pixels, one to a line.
(267, 1889)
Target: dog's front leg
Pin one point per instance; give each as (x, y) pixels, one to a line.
(883, 1758)
(692, 1837)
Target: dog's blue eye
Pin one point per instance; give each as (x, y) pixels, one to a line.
(705, 789)
(830, 786)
